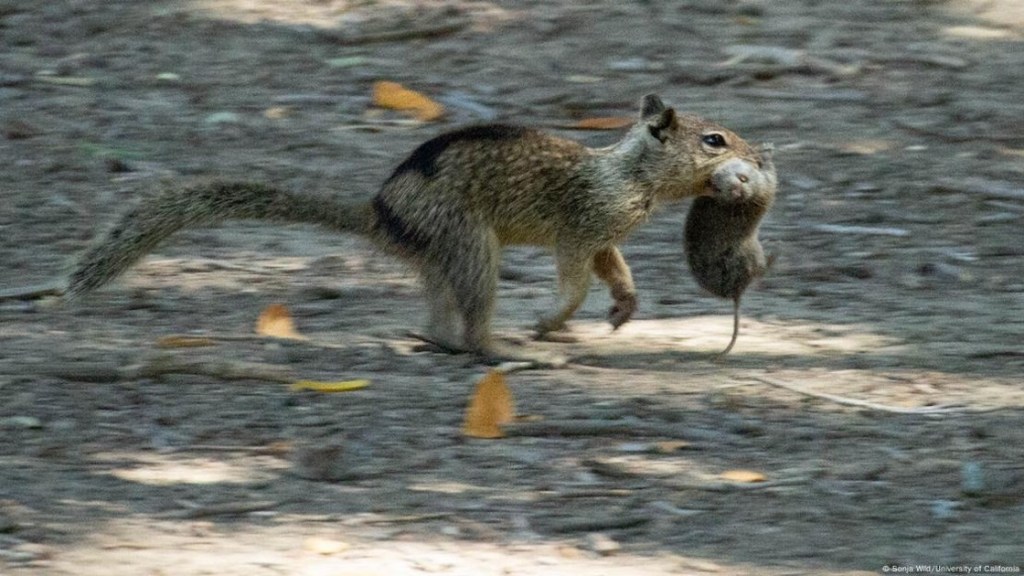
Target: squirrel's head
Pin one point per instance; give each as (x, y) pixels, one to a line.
(688, 156)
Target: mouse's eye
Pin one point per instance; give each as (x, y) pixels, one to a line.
(714, 140)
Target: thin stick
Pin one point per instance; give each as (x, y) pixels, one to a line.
(221, 369)
(224, 509)
(855, 402)
(428, 31)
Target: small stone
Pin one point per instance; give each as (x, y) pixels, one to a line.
(944, 272)
(972, 478)
(634, 447)
(635, 65)
(602, 544)
(320, 462)
(220, 118)
(944, 509)
(325, 546)
(21, 422)
(347, 62)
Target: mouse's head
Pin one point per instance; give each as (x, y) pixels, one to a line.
(689, 156)
(745, 180)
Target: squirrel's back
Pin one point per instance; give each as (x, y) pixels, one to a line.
(519, 182)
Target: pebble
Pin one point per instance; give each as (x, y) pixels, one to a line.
(320, 462)
(944, 271)
(347, 62)
(325, 546)
(944, 509)
(219, 118)
(602, 544)
(635, 65)
(972, 478)
(21, 422)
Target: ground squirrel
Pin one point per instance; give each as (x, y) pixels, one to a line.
(720, 234)
(457, 199)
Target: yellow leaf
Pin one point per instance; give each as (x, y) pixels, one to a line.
(344, 386)
(276, 321)
(184, 342)
(490, 407)
(743, 476)
(394, 96)
(604, 123)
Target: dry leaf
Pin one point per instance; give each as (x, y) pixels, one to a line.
(490, 407)
(184, 342)
(394, 96)
(604, 123)
(276, 321)
(743, 476)
(344, 386)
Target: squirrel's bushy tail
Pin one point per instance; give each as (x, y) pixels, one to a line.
(142, 228)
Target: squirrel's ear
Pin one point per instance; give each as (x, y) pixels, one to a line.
(658, 117)
(650, 106)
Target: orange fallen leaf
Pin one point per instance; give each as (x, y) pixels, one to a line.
(275, 321)
(394, 96)
(184, 342)
(604, 123)
(490, 407)
(743, 476)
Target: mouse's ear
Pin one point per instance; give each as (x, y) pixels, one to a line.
(658, 117)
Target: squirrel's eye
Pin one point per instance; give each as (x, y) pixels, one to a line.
(714, 140)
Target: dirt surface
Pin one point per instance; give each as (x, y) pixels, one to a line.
(899, 129)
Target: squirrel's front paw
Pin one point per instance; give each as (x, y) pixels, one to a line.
(547, 325)
(622, 310)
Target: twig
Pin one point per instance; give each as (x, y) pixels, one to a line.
(974, 136)
(589, 428)
(981, 187)
(589, 493)
(225, 509)
(862, 230)
(720, 486)
(169, 340)
(938, 60)
(776, 59)
(855, 402)
(841, 96)
(576, 428)
(432, 31)
(406, 519)
(600, 523)
(223, 369)
(97, 372)
(32, 292)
